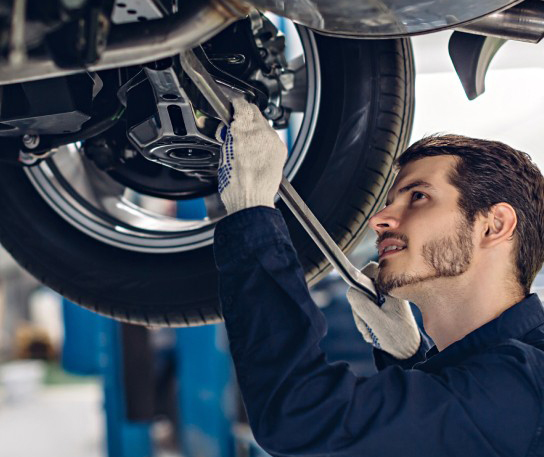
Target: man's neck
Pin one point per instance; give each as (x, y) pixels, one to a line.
(454, 307)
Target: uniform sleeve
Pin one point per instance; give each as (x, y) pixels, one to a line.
(298, 404)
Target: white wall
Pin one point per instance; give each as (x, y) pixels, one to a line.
(511, 109)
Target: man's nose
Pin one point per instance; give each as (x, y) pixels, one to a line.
(385, 219)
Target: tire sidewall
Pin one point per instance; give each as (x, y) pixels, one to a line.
(181, 288)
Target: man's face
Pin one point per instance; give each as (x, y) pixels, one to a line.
(422, 234)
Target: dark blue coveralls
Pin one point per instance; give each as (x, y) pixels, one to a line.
(481, 396)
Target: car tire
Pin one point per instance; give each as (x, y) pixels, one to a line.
(364, 123)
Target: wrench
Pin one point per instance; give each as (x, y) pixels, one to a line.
(221, 104)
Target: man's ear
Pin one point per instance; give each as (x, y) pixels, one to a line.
(499, 225)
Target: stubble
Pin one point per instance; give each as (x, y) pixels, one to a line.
(448, 256)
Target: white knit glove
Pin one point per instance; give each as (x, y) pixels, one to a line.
(252, 159)
(391, 327)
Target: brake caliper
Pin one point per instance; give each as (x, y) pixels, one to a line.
(273, 72)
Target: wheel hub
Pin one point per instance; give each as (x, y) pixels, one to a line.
(190, 156)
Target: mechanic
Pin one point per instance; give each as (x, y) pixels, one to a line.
(462, 236)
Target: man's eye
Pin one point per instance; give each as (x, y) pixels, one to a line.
(418, 195)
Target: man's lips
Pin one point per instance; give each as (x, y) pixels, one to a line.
(390, 246)
(390, 253)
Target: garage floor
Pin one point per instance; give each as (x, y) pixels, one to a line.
(57, 421)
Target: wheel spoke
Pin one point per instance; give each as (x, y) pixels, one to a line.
(84, 178)
(102, 193)
(100, 206)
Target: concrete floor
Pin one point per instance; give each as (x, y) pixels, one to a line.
(57, 421)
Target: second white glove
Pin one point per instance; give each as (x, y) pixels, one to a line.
(252, 160)
(391, 327)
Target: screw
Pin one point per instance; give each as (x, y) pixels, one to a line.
(31, 141)
(26, 158)
(273, 112)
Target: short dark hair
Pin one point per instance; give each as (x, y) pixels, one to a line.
(491, 172)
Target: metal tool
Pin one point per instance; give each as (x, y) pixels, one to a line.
(223, 107)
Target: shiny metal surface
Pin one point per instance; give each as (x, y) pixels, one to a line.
(523, 22)
(156, 138)
(127, 11)
(94, 203)
(381, 18)
(97, 205)
(210, 89)
(17, 46)
(206, 84)
(137, 43)
(296, 97)
(325, 243)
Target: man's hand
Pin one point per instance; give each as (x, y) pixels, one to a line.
(391, 327)
(252, 159)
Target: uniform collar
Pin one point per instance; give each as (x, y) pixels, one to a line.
(514, 323)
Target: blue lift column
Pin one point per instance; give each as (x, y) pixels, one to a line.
(207, 394)
(93, 346)
(207, 397)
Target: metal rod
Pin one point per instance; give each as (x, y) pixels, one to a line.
(523, 22)
(222, 105)
(17, 45)
(206, 85)
(325, 243)
(137, 43)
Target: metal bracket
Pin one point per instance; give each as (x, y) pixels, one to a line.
(157, 138)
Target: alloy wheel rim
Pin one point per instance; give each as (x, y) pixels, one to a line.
(94, 203)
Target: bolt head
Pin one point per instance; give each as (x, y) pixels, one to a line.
(31, 141)
(273, 112)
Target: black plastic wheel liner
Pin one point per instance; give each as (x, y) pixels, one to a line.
(364, 123)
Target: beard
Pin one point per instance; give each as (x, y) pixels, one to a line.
(446, 257)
